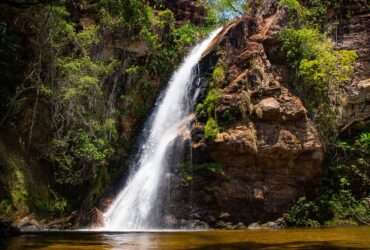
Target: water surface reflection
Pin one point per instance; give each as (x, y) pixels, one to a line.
(309, 239)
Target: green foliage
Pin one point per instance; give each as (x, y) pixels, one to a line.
(331, 209)
(320, 72)
(292, 5)
(81, 77)
(79, 95)
(92, 149)
(61, 30)
(295, 10)
(5, 207)
(341, 199)
(88, 90)
(228, 116)
(211, 100)
(218, 74)
(353, 163)
(19, 192)
(186, 35)
(87, 38)
(328, 66)
(207, 109)
(130, 15)
(303, 213)
(79, 154)
(211, 129)
(54, 204)
(299, 44)
(311, 13)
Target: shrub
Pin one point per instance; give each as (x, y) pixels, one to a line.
(320, 71)
(211, 129)
(54, 204)
(343, 188)
(186, 35)
(210, 102)
(5, 207)
(296, 11)
(303, 213)
(218, 75)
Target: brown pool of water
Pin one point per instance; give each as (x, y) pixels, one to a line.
(352, 238)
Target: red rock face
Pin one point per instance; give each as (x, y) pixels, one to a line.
(271, 152)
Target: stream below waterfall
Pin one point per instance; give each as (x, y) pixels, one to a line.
(351, 238)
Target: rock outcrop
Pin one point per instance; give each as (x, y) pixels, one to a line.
(269, 149)
(185, 10)
(354, 34)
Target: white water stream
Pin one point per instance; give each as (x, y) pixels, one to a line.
(133, 207)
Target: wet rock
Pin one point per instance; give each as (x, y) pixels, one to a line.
(229, 226)
(278, 224)
(211, 219)
(97, 218)
(30, 228)
(183, 223)
(254, 226)
(28, 223)
(224, 216)
(220, 224)
(270, 224)
(197, 134)
(281, 223)
(240, 225)
(226, 225)
(198, 225)
(170, 220)
(196, 216)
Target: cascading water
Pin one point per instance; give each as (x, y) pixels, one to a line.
(133, 208)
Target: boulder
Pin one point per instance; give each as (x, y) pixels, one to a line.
(28, 223)
(254, 226)
(268, 109)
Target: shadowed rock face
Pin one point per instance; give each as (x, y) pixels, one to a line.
(270, 151)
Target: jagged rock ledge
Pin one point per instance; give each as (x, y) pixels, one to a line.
(270, 152)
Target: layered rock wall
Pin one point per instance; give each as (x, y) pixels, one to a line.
(270, 151)
(354, 34)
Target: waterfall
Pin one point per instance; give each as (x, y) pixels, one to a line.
(133, 208)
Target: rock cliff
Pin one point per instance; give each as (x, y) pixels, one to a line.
(354, 34)
(267, 149)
